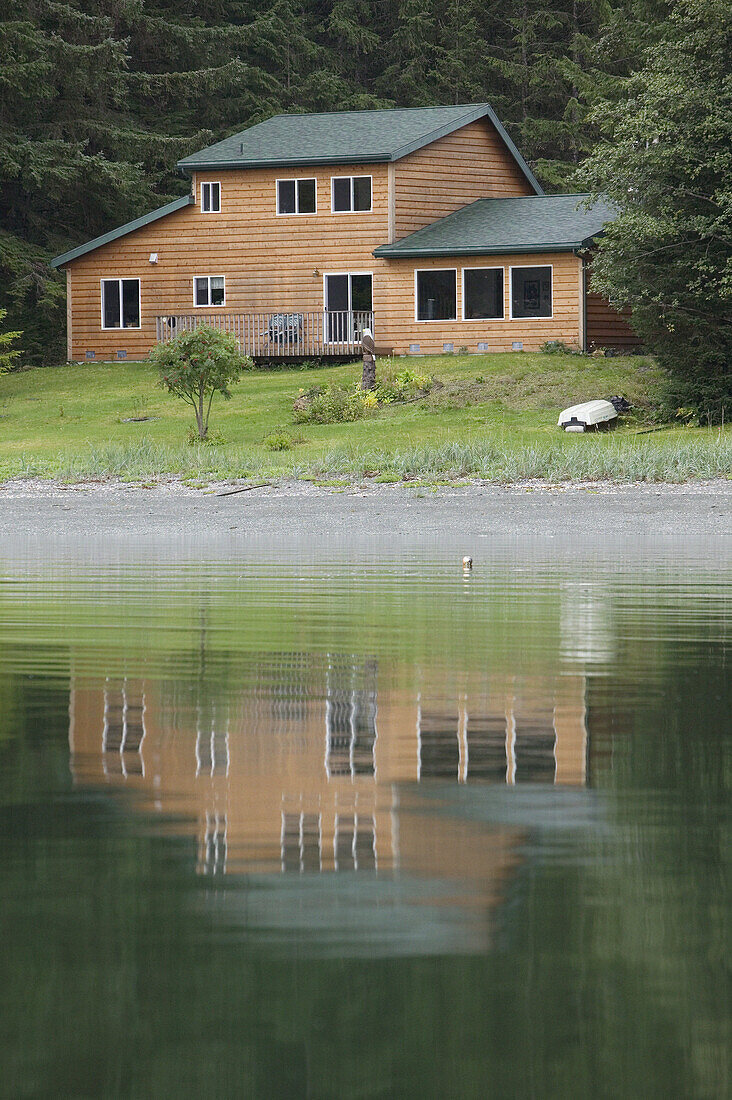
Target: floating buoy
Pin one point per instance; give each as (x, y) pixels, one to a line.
(467, 563)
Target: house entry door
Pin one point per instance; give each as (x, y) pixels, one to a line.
(348, 299)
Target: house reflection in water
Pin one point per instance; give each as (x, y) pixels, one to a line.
(312, 768)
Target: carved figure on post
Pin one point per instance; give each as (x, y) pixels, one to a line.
(368, 381)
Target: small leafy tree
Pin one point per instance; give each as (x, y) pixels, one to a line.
(7, 354)
(196, 365)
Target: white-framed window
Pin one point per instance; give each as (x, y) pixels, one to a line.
(296, 196)
(435, 294)
(483, 294)
(120, 303)
(350, 194)
(209, 290)
(531, 292)
(211, 198)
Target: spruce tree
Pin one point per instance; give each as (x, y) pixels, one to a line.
(666, 162)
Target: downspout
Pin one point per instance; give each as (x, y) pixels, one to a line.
(583, 301)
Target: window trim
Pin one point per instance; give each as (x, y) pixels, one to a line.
(296, 213)
(434, 320)
(359, 176)
(519, 267)
(209, 304)
(120, 279)
(482, 267)
(209, 183)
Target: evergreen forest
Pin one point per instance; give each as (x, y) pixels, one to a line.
(98, 100)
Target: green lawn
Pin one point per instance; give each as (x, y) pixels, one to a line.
(493, 416)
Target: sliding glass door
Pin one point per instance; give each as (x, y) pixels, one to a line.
(348, 302)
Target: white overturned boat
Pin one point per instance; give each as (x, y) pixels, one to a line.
(590, 414)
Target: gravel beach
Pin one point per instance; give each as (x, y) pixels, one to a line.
(102, 522)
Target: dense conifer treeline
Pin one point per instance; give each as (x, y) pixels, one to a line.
(99, 99)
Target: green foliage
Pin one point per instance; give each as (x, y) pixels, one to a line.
(7, 354)
(332, 404)
(556, 347)
(338, 403)
(196, 365)
(510, 418)
(35, 297)
(666, 161)
(278, 441)
(400, 384)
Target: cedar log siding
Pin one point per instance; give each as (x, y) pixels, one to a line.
(395, 303)
(471, 163)
(267, 259)
(606, 328)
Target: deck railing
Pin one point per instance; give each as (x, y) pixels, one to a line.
(268, 335)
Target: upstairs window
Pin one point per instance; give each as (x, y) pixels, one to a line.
(208, 290)
(296, 196)
(211, 198)
(120, 303)
(531, 292)
(483, 293)
(350, 194)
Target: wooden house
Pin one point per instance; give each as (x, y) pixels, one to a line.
(424, 224)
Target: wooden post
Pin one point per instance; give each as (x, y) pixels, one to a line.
(368, 381)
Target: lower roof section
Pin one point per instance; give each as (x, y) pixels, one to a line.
(122, 230)
(534, 223)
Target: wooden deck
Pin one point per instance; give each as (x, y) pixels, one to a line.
(279, 334)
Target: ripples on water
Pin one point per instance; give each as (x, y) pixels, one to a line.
(364, 829)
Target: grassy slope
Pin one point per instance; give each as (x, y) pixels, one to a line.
(495, 416)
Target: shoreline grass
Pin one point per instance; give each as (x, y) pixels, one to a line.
(492, 418)
(599, 458)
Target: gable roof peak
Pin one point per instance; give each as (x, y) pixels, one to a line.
(382, 135)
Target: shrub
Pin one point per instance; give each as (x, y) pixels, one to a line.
(557, 347)
(342, 403)
(401, 385)
(196, 365)
(330, 405)
(278, 441)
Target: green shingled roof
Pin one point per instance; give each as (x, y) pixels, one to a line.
(536, 223)
(122, 230)
(345, 137)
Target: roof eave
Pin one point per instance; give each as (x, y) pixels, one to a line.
(389, 253)
(293, 162)
(121, 231)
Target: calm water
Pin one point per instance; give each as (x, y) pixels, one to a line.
(365, 829)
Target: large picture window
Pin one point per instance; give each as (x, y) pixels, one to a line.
(531, 292)
(483, 293)
(296, 196)
(350, 194)
(436, 294)
(208, 290)
(120, 303)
